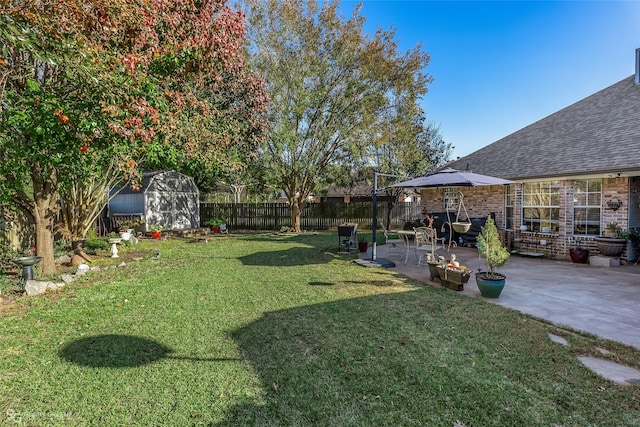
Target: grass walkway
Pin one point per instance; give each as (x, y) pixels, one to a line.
(280, 330)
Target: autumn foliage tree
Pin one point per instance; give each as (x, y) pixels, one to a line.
(91, 89)
(328, 84)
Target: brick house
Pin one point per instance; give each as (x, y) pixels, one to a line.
(576, 171)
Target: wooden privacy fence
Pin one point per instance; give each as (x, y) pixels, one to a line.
(246, 216)
(316, 216)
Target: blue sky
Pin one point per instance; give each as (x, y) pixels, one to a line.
(500, 66)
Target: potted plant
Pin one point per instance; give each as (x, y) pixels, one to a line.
(127, 228)
(579, 255)
(453, 276)
(156, 230)
(490, 248)
(363, 244)
(215, 224)
(432, 260)
(614, 242)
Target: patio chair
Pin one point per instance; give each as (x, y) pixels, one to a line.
(393, 242)
(426, 244)
(347, 237)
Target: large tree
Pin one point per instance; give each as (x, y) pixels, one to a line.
(91, 88)
(328, 82)
(407, 145)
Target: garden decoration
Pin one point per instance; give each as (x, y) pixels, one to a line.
(433, 262)
(453, 275)
(461, 226)
(27, 263)
(113, 241)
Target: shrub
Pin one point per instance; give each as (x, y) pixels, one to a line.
(490, 247)
(92, 246)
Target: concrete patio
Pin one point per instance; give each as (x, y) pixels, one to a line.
(604, 301)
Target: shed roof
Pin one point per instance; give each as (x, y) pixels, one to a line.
(599, 134)
(150, 182)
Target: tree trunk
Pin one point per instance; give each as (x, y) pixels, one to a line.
(44, 246)
(43, 209)
(391, 203)
(82, 204)
(388, 221)
(296, 211)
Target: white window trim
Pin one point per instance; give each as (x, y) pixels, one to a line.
(540, 185)
(573, 210)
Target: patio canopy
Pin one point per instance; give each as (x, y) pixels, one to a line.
(453, 178)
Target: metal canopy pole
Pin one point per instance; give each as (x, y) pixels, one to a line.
(374, 197)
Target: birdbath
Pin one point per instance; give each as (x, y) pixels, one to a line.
(27, 262)
(114, 246)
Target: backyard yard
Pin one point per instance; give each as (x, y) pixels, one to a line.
(280, 330)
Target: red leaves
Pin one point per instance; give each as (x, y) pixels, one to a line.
(63, 119)
(166, 72)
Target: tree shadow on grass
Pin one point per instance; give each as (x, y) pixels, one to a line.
(312, 248)
(310, 374)
(325, 240)
(287, 257)
(119, 351)
(388, 359)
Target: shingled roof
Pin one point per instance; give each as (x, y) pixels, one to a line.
(597, 135)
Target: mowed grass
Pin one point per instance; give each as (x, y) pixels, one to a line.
(267, 330)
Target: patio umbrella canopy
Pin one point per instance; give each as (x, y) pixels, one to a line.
(453, 178)
(444, 178)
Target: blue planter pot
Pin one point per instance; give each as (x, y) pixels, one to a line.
(490, 287)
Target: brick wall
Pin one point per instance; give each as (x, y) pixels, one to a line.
(480, 201)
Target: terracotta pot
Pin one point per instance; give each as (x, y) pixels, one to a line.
(216, 229)
(156, 234)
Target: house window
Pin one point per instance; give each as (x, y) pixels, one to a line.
(587, 198)
(541, 205)
(450, 199)
(508, 206)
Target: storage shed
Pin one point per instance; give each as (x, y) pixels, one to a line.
(168, 198)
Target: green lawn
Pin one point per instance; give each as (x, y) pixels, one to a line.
(281, 331)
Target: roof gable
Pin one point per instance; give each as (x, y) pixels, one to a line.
(598, 134)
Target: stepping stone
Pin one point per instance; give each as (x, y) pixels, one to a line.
(557, 339)
(620, 374)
